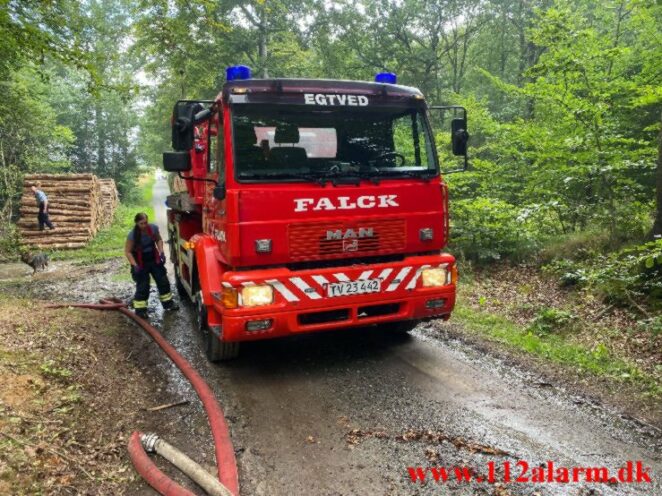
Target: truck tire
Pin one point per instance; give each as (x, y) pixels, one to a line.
(215, 349)
(219, 351)
(181, 290)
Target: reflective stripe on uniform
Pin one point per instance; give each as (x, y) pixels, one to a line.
(165, 297)
(139, 303)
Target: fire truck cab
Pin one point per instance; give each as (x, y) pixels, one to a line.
(308, 205)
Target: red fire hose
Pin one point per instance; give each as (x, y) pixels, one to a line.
(225, 459)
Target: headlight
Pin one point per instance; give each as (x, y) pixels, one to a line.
(255, 296)
(437, 276)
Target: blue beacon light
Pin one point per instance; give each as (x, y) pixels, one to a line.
(237, 72)
(386, 77)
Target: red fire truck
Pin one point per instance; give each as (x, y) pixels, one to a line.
(309, 205)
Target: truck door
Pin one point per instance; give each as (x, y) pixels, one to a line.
(215, 201)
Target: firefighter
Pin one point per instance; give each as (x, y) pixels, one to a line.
(144, 250)
(42, 201)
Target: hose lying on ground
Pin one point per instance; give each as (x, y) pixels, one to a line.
(152, 443)
(225, 459)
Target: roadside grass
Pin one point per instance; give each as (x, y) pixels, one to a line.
(63, 387)
(109, 242)
(556, 348)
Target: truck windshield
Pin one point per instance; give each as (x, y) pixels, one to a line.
(272, 143)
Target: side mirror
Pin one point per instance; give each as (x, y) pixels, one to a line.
(219, 192)
(459, 136)
(183, 122)
(176, 161)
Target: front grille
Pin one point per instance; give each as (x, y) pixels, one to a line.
(309, 240)
(378, 310)
(323, 317)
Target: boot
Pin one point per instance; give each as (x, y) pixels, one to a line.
(170, 305)
(141, 312)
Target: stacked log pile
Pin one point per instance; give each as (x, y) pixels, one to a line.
(109, 200)
(75, 207)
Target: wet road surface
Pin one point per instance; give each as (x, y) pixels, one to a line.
(325, 414)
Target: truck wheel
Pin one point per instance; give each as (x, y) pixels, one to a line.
(219, 351)
(181, 290)
(215, 349)
(174, 258)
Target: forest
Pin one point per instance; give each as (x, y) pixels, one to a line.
(564, 99)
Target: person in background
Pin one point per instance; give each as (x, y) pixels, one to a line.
(266, 151)
(42, 201)
(144, 250)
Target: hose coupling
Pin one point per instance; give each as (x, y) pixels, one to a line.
(149, 441)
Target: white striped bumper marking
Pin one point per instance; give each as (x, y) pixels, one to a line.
(305, 288)
(282, 289)
(321, 280)
(398, 279)
(286, 287)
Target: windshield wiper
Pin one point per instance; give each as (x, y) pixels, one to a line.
(322, 178)
(425, 174)
(306, 176)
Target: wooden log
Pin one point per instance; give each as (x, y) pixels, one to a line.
(81, 219)
(53, 208)
(33, 224)
(60, 246)
(54, 211)
(85, 231)
(56, 239)
(61, 184)
(59, 202)
(59, 177)
(64, 190)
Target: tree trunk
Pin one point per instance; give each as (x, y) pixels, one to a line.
(101, 139)
(264, 41)
(657, 226)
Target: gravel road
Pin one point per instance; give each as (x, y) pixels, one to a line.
(348, 412)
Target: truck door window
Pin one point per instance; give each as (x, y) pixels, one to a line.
(219, 151)
(409, 140)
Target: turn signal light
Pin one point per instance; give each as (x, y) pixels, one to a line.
(454, 274)
(229, 298)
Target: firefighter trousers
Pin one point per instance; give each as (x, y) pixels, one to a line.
(142, 280)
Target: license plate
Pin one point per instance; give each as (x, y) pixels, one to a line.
(354, 287)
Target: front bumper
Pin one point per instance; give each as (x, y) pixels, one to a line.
(301, 303)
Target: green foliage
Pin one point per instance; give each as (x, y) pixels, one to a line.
(597, 361)
(67, 92)
(552, 320)
(651, 324)
(631, 276)
(50, 369)
(9, 242)
(485, 229)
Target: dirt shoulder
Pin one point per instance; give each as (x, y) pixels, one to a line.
(74, 385)
(569, 339)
